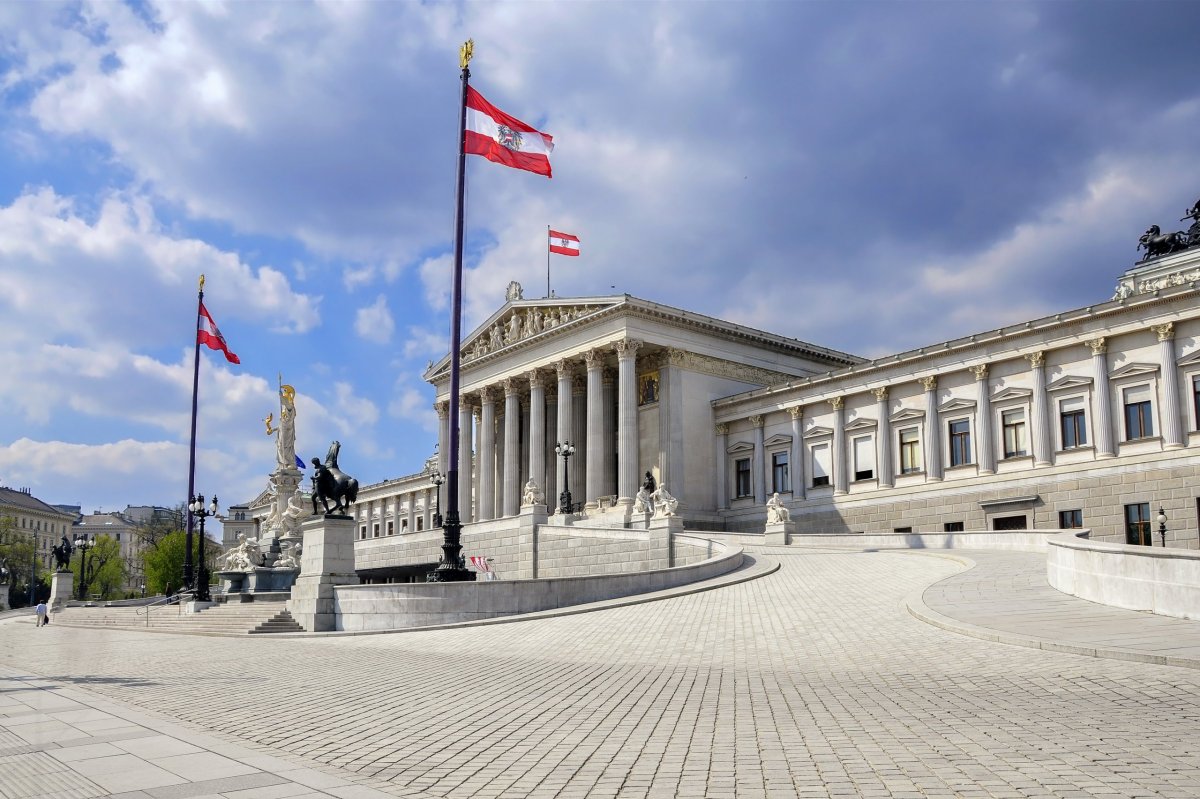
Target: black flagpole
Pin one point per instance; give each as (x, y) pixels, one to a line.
(450, 570)
(187, 557)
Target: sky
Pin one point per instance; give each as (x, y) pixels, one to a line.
(864, 176)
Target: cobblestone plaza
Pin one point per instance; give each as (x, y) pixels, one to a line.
(812, 680)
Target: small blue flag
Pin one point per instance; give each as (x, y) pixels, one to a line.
(299, 462)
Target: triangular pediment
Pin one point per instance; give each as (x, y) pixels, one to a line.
(1012, 393)
(1069, 382)
(1133, 370)
(1190, 360)
(741, 446)
(908, 415)
(861, 424)
(817, 431)
(777, 440)
(957, 404)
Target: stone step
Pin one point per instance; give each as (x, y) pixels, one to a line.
(281, 622)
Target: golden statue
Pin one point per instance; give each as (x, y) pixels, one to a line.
(270, 430)
(466, 52)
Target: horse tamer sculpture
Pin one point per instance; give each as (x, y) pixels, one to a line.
(331, 483)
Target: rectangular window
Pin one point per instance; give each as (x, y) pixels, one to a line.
(910, 451)
(960, 442)
(780, 479)
(362, 532)
(864, 458)
(901, 529)
(741, 469)
(375, 531)
(118, 537)
(1009, 523)
(953, 527)
(1074, 423)
(404, 525)
(391, 527)
(1138, 421)
(822, 465)
(1196, 399)
(1013, 422)
(1137, 524)
(420, 523)
(1070, 519)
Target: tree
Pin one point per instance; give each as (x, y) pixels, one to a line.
(151, 534)
(164, 564)
(105, 568)
(18, 557)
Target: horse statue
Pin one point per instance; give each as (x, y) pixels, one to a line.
(62, 555)
(1158, 243)
(330, 482)
(1192, 237)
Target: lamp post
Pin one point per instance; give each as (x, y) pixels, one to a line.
(566, 449)
(85, 545)
(437, 479)
(197, 509)
(1162, 525)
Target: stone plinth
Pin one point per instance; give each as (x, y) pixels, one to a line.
(661, 529)
(327, 561)
(532, 517)
(61, 585)
(780, 534)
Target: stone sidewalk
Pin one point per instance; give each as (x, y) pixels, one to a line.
(815, 680)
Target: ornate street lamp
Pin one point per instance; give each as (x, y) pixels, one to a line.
(1162, 525)
(437, 479)
(84, 545)
(566, 449)
(197, 509)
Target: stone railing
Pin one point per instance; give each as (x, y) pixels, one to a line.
(1015, 540)
(1160, 580)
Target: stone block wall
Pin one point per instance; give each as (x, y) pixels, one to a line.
(575, 551)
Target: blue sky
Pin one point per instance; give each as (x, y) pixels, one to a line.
(865, 176)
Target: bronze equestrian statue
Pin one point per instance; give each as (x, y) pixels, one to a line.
(330, 482)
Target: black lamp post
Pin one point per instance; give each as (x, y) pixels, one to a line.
(1162, 525)
(85, 545)
(197, 509)
(566, 449)
(437, 479)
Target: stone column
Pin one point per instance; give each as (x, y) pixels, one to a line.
(565, 428)
(549, 457)
(537, 429)
(608, 459)
(984, 438)
(443, 412)
(412, 512)
(933, 430)
(486, 460)
(1039, 423)
(512, 447)
(579, 461)
(464, 461)
(627, 420)
(721, 462)
(1172, 425)
(883, 439)
(430, 501)
(799, 484)
(595, 424)
(757, 475)
(840, 472)
(1102, 422)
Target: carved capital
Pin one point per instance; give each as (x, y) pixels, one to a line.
(837, 403)
(1037, 359)
(881, 394)
(756, 421)
(442, 409)
(594, 359)
(1165, 332)
(980, 371)
(929, 383)
(722, 428)
(564, 368)
(487, 395)
(535, 378)
(676, 357)
(512, 386)
(627, 347)
(1098, 345)
(796, 411)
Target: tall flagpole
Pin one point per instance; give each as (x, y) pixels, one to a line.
(547, 261)
(450, 570)
(191, 492)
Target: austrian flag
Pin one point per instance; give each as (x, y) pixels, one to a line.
(506, 140)
(563, 243)
(207, 333)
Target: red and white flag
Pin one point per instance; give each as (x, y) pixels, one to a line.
(504, 139)
(480, 563)
(563, 243)
(207, 333)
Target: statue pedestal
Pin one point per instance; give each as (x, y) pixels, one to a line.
(780, 534)
(327, 561)
(661, 530)
(61, 584)
(530, 519)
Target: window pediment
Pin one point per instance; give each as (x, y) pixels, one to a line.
(957, 404)
(861, 424)
(778, 440)
(740, 447)
(1134, 370)
(1069, 382)
(1190, 360)
(1012, 393)
(818, 432)
(908, 415)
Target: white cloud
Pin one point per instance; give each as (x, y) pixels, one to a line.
(374, 322)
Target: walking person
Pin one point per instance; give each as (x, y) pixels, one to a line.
(42, 614)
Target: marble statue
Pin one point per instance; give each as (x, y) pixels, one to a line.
(777, 511)
(664, 503)
(296, 511)
(514, 292)
(495, 340)
(242, 557)
(514, 328)
(642, 501)
(290, 558)
(533, 495)
(285, 441)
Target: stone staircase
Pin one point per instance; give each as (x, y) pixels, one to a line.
(241, 618)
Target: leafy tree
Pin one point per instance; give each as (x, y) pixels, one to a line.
(105, 568)
(17, 556)
(152, 533)
(164, 564)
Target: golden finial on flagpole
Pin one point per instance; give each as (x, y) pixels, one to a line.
(202, 282)
(465, 52)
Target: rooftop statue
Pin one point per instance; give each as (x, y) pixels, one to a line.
(1157, 243)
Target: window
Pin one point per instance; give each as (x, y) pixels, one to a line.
(901, 529)
(1196, 399)
(741, 469)
(780, 480)
(404, 525)
(1138, 421)
(118, 537)
(362, 532)
(1009, 523)
(375, 531)
(953, 527)
(1074, 423)
(910, 451)
(822, 465)
(420, 523)
(960, 442)
(1013, 423)
(1070, 519)
(391, 527)
(864, 458)
(1137, 524)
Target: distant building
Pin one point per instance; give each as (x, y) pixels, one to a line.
(32, 517)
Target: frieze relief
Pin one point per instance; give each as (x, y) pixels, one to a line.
(720, 368)
(523, 323)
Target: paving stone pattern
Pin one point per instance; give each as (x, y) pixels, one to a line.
(812, 681)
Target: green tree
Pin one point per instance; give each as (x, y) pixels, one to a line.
(163, 563)
(105, 568)
(18, 558)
